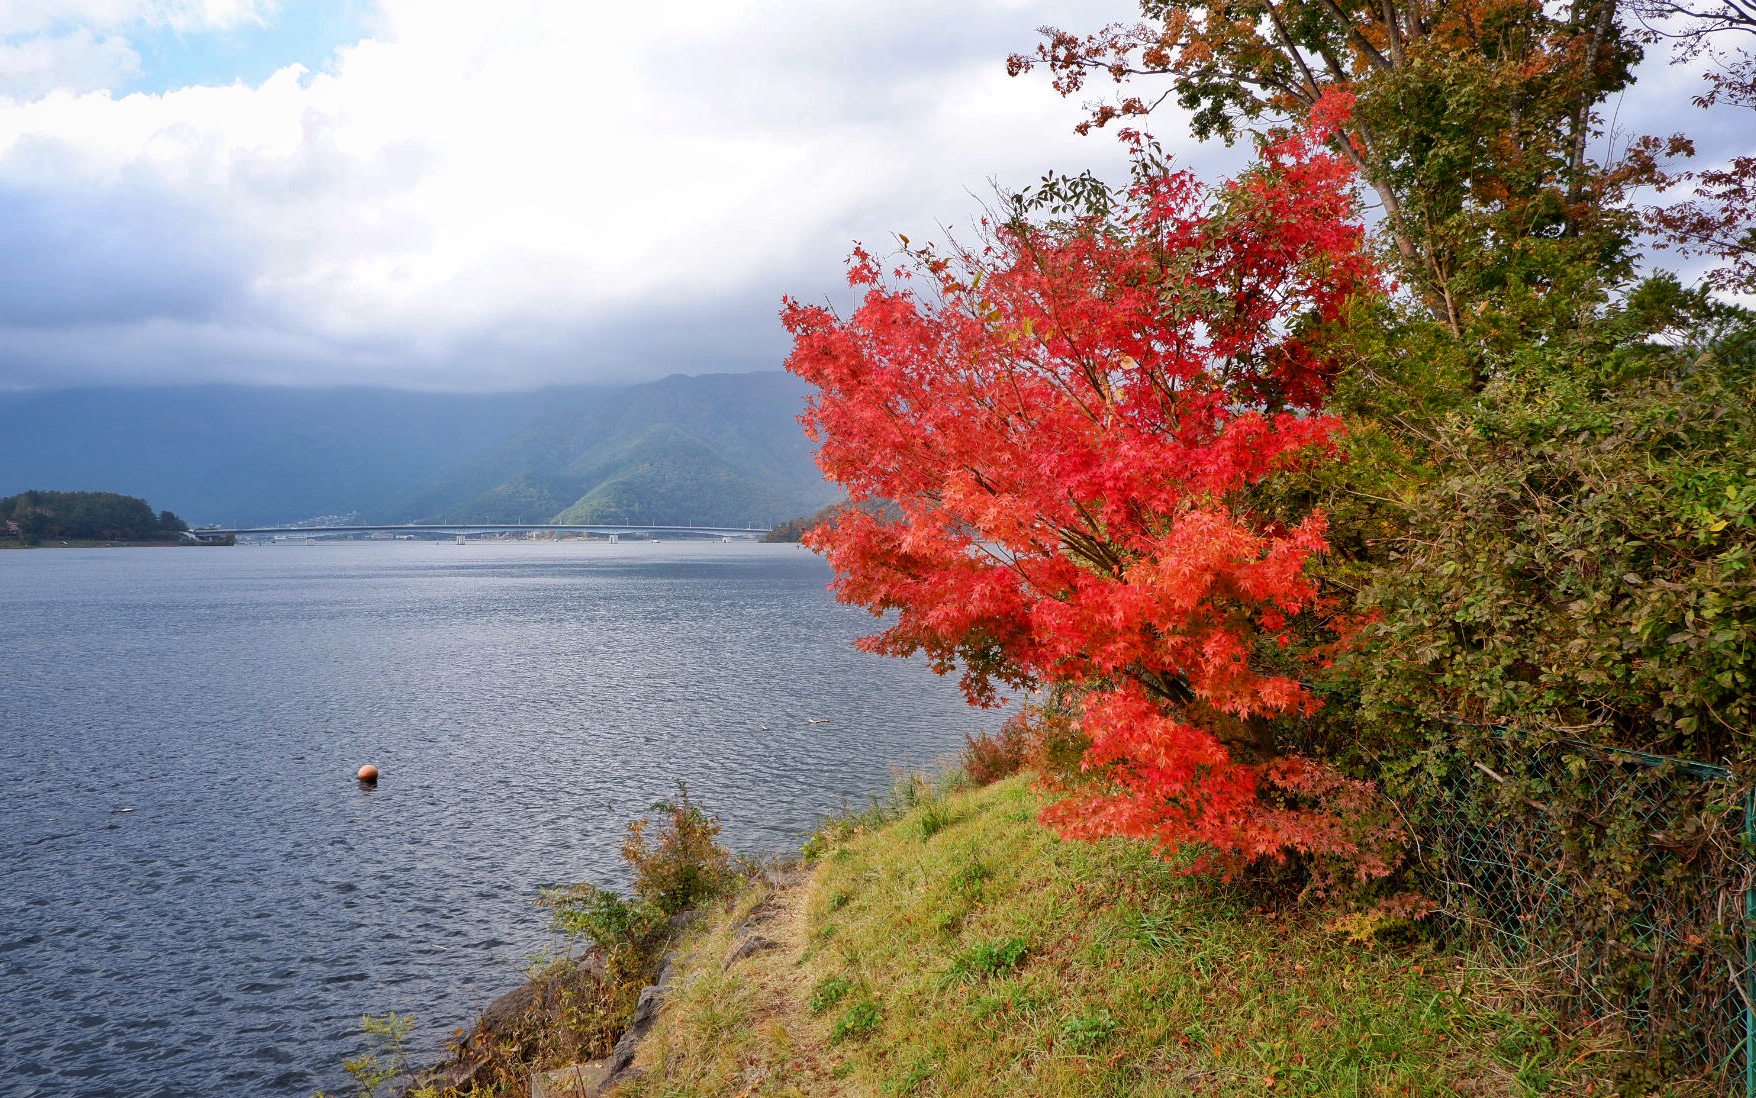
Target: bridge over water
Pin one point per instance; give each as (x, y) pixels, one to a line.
(221, 533)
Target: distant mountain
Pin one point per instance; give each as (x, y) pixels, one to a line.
(723, 449)
(668, 477)
(249, 455)
(719, 449)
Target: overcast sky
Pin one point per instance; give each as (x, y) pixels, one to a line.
(469, 195)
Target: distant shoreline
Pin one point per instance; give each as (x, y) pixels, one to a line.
(74, 543)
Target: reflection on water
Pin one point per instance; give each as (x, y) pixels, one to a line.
(197, 899)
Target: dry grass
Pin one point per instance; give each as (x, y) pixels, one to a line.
(960, 949)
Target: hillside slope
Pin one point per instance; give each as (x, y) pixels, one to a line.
(718, 449)
(959, 948)
(249, 455)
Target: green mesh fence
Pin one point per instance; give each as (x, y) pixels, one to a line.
(1627, 877)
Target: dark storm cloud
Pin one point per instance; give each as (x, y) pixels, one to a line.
(110, 256)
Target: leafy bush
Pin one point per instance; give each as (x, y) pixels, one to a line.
(609, 920)
(1570, 597)
(681, 864)
(1045, 738)
(990, 756)
(387, 1058)
(1584, 566)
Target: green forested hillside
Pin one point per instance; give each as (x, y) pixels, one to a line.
(238, 455)
(666, 476)
(721, 449)
(33, 516)
(527, 497)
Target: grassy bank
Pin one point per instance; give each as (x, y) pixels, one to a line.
(958, 948)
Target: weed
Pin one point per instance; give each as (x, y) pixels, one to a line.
(935, 817)
(1157, 932)
(909, 790)
(861, 1020)
(986, 1006)
(609, 920)
(829, 991)
(916, 1074)
(970, 877)
(387, 1057)
(987, 959)
(1084, 1031)
(839, 899)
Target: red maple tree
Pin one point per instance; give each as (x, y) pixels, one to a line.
(1066, 422)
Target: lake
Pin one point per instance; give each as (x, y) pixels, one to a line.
(198, 901)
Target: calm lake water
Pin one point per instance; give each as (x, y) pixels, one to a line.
(197, 900)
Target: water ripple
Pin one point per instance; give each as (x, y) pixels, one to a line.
(195, 900)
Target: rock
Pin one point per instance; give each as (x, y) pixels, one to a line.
(748, 946)
(505, 1011)
(573, 1081)
(760, 915)
(784, 876)
(763, 912)
(508, 1022)
(646, 1012)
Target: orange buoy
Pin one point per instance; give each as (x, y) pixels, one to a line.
(368, 773)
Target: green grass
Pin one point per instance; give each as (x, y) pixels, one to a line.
(987, 958)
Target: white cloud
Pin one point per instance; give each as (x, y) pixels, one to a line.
(76, 61)
(37, 16)
(82, 45)
(486, 193)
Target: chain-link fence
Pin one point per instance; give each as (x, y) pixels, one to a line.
(1626, 876)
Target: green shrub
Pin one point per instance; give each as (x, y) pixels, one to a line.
(611, 921)
(387, 1058)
